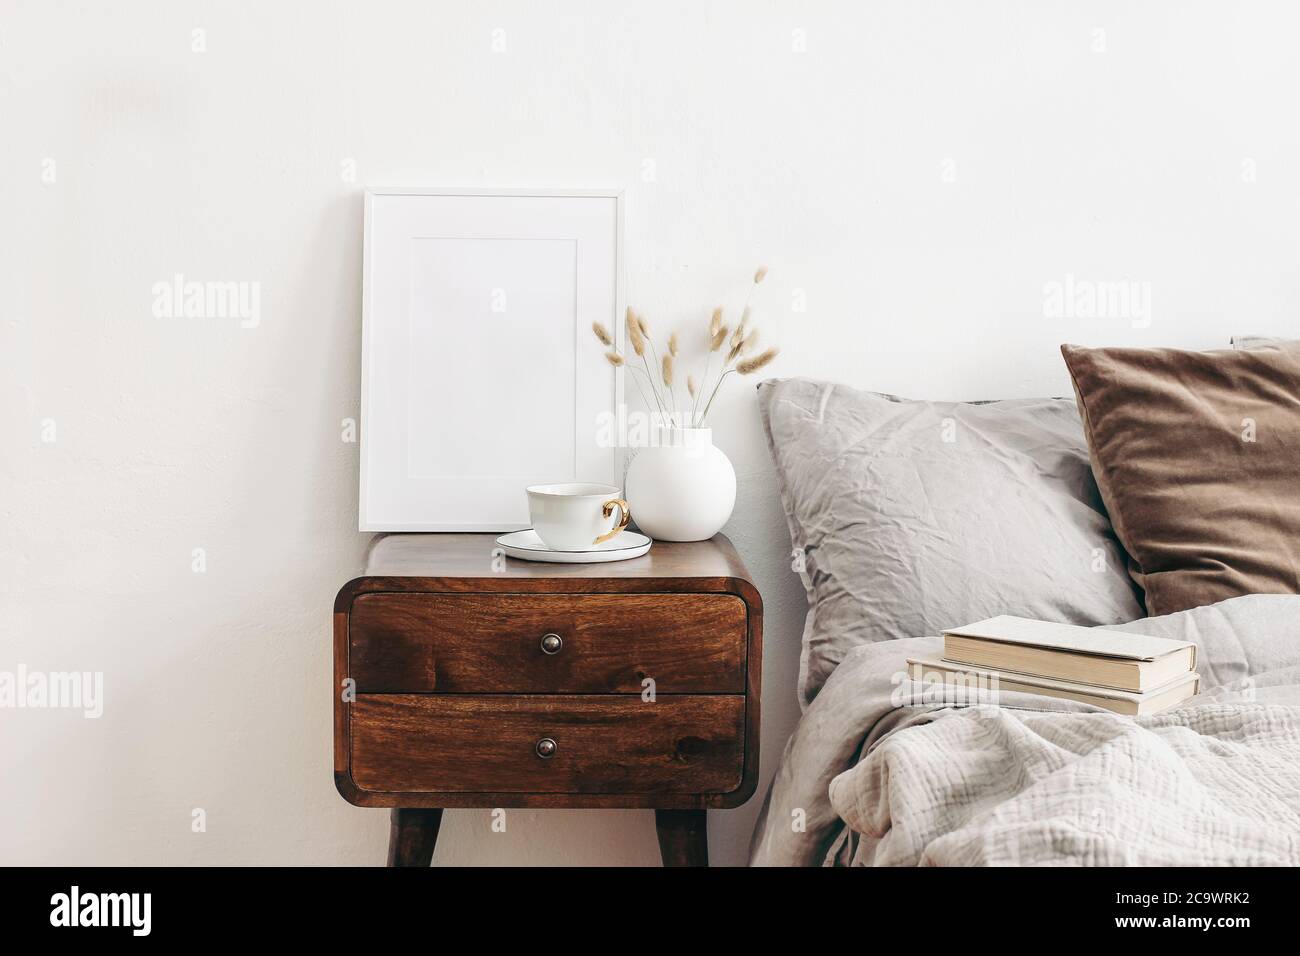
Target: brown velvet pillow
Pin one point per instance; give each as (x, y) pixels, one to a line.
(1197, 456)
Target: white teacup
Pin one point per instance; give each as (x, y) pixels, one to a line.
(576, 516)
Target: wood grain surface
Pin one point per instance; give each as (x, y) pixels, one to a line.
(464, 743)
(440, 683)
(492, 643)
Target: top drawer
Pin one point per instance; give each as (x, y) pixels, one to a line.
(493, 643)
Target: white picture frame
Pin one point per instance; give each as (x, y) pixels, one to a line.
(480, 372)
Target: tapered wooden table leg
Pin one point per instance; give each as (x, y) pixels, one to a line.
(683, 838)
(412, 835)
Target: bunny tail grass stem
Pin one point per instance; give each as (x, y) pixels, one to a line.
(717, 335)
(695, 404)
(705, 414)
(669, 404)
(718, 339)
(704, 381)
(654, 389)
(654, 393)
(639, 389)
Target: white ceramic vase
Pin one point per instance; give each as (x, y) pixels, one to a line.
(681, 488)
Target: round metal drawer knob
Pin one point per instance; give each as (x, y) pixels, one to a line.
(546, 747)
(551, 643)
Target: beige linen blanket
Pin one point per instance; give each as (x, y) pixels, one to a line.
(1036, 781)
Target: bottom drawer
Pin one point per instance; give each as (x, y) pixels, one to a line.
(602, 744)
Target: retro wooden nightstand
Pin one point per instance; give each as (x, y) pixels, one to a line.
(464, 680)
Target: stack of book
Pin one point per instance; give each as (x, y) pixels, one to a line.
(1127, 673)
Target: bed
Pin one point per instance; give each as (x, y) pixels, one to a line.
(909, 517)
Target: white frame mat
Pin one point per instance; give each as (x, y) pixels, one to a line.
(480, 373)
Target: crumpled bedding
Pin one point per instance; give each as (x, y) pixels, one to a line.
(869, 778)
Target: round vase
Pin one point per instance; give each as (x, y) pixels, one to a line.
(681, 488)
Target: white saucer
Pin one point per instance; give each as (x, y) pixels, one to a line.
(527, 546)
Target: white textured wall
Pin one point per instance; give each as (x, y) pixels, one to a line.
(920, 172)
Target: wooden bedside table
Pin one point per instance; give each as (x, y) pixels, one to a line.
(467, 679)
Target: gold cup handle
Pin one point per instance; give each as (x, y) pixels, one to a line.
(607, 509)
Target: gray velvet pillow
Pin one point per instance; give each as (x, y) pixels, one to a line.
(915, 516)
